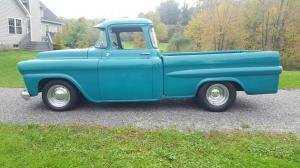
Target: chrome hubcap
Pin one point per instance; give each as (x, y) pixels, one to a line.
(217, 94)
(58, 95)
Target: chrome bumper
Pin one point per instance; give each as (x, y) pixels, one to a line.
(25, 95)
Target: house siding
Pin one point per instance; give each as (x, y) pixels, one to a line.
(35, 12)
(54, 28)
(11, 9)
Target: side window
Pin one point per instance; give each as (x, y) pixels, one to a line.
(114, 41)
(102, 41)
(128, 38)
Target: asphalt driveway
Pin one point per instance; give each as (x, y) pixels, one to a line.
(276, 113)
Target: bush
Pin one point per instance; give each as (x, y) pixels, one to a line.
(292, 65)
(59, 42)
(172, 30)
(180, 43)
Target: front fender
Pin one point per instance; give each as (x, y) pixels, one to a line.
(32, 83)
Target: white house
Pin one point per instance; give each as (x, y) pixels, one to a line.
(27, 24)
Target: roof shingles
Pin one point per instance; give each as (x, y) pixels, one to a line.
(49, 16)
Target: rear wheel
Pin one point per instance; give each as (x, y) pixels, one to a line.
(59, 95)
(217, 96)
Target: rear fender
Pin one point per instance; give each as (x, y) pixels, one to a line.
(219, 79)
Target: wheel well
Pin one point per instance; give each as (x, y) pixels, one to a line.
(43, 82)
(236, 85)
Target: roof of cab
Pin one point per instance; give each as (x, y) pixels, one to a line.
(107, 23)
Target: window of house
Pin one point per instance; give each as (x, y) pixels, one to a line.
(18, 26)
(11, 25)
(14, 26)
(47, 28)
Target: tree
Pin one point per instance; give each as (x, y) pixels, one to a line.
(248, 24)
(216, 26)
(138, 40)
(169, 12)
(267, 25)
(273, 25)
(160, 28)
(80, 33)
(179, 43)
(185, 15)
(172, 30)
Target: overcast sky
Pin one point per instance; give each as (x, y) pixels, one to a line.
(104, 8)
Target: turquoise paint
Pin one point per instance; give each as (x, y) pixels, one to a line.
(126, 77)
(256, 72)
(83, 73)
(113, 75)
(107, 23)
(64, 54)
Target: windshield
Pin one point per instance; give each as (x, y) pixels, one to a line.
(153, 38)
(102, 41)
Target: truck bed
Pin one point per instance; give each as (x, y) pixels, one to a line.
(255, 72)
(209, 52)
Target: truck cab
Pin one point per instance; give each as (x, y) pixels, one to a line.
(131, 62)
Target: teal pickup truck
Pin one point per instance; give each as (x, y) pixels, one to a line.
(126, 66)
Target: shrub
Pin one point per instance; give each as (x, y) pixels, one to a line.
(179, 43)
(59, 42)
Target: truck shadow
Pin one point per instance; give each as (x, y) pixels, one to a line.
(241, 105)
(170, 104)
(165, 105)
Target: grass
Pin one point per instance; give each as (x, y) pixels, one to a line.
(163, 47)
(92, 146)
(10, 77)
(290, 80)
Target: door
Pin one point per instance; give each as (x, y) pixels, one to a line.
(126, 70)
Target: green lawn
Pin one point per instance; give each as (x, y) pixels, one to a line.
(163, 47)
(92, 146)
(290, 80)
(10, 77)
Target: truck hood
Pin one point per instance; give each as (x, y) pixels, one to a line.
(64, 54)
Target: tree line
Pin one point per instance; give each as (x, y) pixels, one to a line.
(212, 25)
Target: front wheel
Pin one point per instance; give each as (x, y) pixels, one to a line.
(59, 95)
(217, 96)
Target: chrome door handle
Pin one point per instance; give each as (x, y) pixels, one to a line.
(145, 53)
